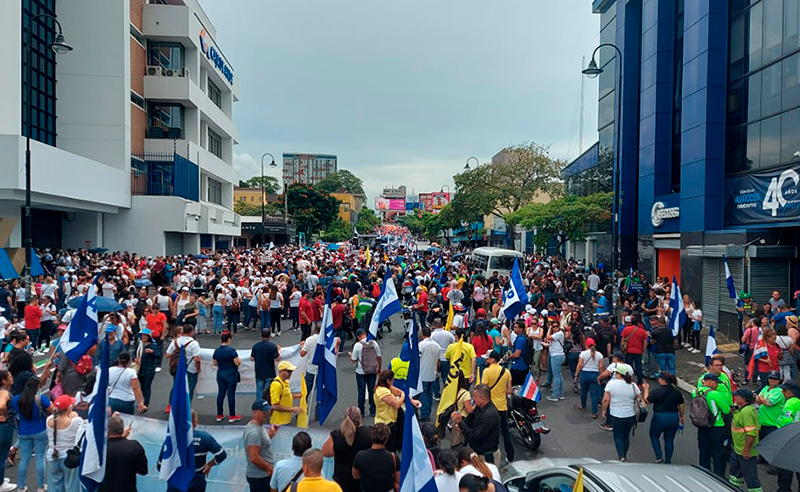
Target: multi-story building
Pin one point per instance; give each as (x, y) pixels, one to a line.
(132, 141)
(709, 147)
(307, 168)
(350, 205)
(254, 196)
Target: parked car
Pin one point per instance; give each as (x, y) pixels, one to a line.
(558, 475)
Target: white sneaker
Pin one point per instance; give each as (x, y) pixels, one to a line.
(38, 353)
(158, 369)
(7, 486)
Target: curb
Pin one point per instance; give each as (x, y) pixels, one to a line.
(683, 385)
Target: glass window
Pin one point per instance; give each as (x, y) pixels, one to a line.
(752, 150)
(40, 76)
(608, 77)
(609, 33)
(771, 90)
(214, 143)
(734, 146)
(791, 26)
(214, 191)
(214, 94)
(606, 109)
(755, 15)
(753, 101)
(164, 54)
(770, 142)
(790, 135)
(736, 103)
(165, 120)
(773, 29)
(790, 98)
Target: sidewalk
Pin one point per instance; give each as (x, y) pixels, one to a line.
(691, 366)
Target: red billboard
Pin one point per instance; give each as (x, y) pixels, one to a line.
(426, 202)
(440, 199)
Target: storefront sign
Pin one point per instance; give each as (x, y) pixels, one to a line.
(215, 56)
(770, 196)
(661, 212)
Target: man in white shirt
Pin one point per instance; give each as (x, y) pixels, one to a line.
(192, 355)
(428, 366)
(365, 379)
(108, 289)
(592, 284)
(443, 338)
(307, 349)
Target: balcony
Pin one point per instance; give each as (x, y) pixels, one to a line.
(164, 174)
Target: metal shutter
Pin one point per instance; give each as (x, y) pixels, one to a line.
(767, 275)
(711, 290)
(736, 266)
(173, 243)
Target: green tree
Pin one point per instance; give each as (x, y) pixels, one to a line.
(342, 181)
(270, 183)
(337, 231)
(242, 207)
(367, 220)
(313, 210)
(565, 219)
(522, 173)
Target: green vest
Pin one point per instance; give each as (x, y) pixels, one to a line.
(400, 368)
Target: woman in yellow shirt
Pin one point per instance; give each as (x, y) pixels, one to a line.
(387, 399)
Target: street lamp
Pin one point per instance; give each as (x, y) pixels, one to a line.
(593, 71)
(477, 163)
(59, 47)
(264, 197)
(443, 187)
(285, 205)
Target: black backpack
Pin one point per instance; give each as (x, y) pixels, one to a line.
(529, 350)
(198, 284)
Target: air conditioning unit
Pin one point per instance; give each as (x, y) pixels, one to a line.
(170, 73)
(154, 70)
(185, 72)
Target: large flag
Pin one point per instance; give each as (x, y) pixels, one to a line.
(515, 298)
(414, 377)
(729, 282)
(177, 454)
(711, 345)
(416, 472)
(302, 417)
(759, 352)
(578, 485)
(451, 315)
(677, 316)
(325, 360)
(93, 457)
(530, 390)
(387, 305)
(450, 391)
(81, 333)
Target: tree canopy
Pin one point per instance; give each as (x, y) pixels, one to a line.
(270, 183)
(427, 224)
(342, 181)
(523, 172)
(565, 219)
(254, 209)
(313, 210)
(367, 220)
(337, 231)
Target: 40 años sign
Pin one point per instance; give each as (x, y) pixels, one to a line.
(769, 196)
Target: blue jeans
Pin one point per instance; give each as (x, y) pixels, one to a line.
(217, 312)
(265, 319)
(60, 478)
(6, 440)
(444, 370)
(27, 446)
(34, 334)
(121, 406)
(622, 434)
(664, 423)
(426, 398)
(572, 363)
(555, 369)
(480, 365)
(589, 386)
(248, 315)
(233, 320)
(146, 383)
(635, 361)
(666, 362)
(261, 384)
(192, 380)
(226, 386)
(365, 384)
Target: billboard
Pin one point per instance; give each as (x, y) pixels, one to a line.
(426, 202)
(381, 203)
(440, 199)
(768, 196)
(397, 204)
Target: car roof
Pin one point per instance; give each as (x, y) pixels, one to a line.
(635, 477)
(522, 468)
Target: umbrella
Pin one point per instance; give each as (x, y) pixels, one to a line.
(104, 304)
(433, 249)
(458, 256)
(98, 250)
(201, 257)
(333, 247)
(781, 447)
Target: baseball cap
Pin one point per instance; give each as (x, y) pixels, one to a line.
(145, 331)
(618, 355)
(627, 319)
(601, 292)
(494, 354)
(494, 321)
(529, 309)
(622, 369)
(360, 332)
(286, 366)
(544, 312)
(746, 394)
(711, 377)
(590, 342)
(791, 386)
(63, 402)
(261, 405)
(111, 329)
(481, 312)
(774, 375)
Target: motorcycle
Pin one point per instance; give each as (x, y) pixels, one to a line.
(524, 417)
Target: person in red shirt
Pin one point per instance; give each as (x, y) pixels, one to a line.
(157, 324)
(634, 336)
(337, 312)
(306, 311)
(33, 321)
(319, 307)
(421, 307)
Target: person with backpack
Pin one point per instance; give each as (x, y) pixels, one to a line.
(287, 472)
(707, 412)
(498, 379)
(192, 347)
(366, 355)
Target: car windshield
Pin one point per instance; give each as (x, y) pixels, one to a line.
(505, 262)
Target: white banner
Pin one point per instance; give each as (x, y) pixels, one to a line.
(229, 476)
(207, 379)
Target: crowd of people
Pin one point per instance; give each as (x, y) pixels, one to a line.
(620, 358)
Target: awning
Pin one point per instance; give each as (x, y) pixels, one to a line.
(7, 270)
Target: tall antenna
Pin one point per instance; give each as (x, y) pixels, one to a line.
(583, 84)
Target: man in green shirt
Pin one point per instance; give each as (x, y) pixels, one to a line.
(744, 429)
(771, 401)
(711, 440)
(790, 415)
(716, 367)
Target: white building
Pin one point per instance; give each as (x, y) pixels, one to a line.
(132, 145)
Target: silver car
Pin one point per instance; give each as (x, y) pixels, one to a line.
(559, 475)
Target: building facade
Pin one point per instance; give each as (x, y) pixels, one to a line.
(710, 142)
(307, 168)
(133, 130)
(349, 206)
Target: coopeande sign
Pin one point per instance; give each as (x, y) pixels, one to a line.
(213, 54)
(661, 212)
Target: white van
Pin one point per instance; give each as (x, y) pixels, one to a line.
(489, 260)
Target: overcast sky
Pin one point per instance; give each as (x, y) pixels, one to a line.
(404, 92)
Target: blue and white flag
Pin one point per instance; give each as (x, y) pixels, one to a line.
(93, 457)
(729, 280)
(515, 297)
(177, 454)
(677, 315)
(414, 376)
(388, 304)
(416, 472)
(81, 333)
(711, 345)
(325, 360)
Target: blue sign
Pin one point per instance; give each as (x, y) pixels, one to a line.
(768, 196)
(216, 57)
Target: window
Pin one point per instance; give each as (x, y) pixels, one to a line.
(214, 143)
(137, 99)
(677, 96)
(165, 54)
(164, 120)
(771, 90)
(770, 142)
(214, 94)
(790, 135)
(773, 29)
(40, 77)
(214, 191)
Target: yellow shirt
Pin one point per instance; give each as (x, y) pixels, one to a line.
(489, 377)
(384, 413)
(280, 394)
(317, 484)
(466, 363)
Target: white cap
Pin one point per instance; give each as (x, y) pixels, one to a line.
(627, 319)
(544, 312)
(529, 309)
(601, 292)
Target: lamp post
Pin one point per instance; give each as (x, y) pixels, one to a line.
(443, 187)
(59, 47)
(264, 198)
(477, 163)
(593, 71)
(285, 205)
